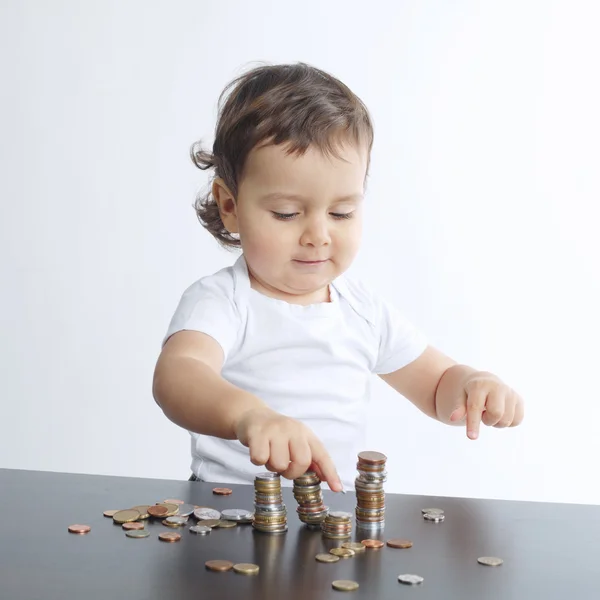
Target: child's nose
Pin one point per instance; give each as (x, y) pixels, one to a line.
(316, 233)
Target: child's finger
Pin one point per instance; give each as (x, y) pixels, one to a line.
(475, 408)
(279, 457)
(328, 471)
(299, 459)
(494, 407)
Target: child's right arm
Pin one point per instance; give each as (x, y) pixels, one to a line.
(191, 392)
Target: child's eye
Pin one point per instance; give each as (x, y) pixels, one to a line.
(284, 216)
(342, 215)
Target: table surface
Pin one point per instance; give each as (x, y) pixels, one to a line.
(549, 550)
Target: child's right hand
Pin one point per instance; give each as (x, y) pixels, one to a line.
(285, 446)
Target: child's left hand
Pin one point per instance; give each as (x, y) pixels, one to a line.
(486, 399)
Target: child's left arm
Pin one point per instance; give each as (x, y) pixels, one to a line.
(453, 393)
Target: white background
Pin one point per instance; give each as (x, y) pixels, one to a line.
(482, 224)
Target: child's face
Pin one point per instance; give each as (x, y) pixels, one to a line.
(295, 246)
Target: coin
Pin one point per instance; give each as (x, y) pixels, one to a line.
(143, 510)
(235, 514)
(132, 526)
(372, 458)
(399, 543)
(410, 579)
(342, 552)
(434, 517)
(339, 515)
(372, 543)
(356, 546)
(344, 585)
(81, 529)
(171, 501)
(246, 568)
(200, 529)
(432, 511)
(172, 509)
(327, 558)
(126, 516)
(210, 522)
(179, 521)
(168, 536)
(110, 513)
(218, 565)
(185, 510)
(137, 533)
(222, 491)
(490, 561)
(224, 524)
(202, 514)
(158, 511)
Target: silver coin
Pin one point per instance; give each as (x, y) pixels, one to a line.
(410, 579)
(433, 517)
(235, 514)
(490, 561)
(185, 510)
(176, 520)
(267, 476)
(200, 529)
(340, 514)
(432, 511)
(203, 514)
(137, 533)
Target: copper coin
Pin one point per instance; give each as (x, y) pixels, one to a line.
(222, 491)
(171, 501)
(158, 511)
(110, 513)
(132, 526)
(218, 565)
(79, 528)
(372, 543)
(169, 536)
(372, 458)
(399, 543)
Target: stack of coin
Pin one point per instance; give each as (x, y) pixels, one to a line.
(370, 496)
(308, 494)
(270, 514)
(337, 525)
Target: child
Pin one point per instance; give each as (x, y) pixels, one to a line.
(268, 362)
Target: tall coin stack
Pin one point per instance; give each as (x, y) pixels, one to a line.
(270, 514)
(308, 494)
(337, 525)
(370, 496)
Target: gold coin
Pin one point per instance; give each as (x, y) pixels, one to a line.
(172, 525)
(356, 546)
(345, 585)
(246, 568)
(342, 552)
(210, 522)
(327, 558)
(172, 508)
(110, 513)
(225, 524)
(143, 510)
(126, 516)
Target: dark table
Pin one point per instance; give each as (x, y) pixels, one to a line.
(550, 551)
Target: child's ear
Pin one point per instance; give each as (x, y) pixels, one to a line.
(226, 203)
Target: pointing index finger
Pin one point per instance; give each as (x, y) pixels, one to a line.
(325, 466)
(475, 408)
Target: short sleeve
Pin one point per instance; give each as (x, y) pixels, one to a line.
(207, 306)
(400, 341)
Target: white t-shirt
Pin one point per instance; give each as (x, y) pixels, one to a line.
(313, 363)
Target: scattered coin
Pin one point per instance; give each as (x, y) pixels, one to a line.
(210, 522)
(185, 510)
(327, 558)
(432, 511)
(222, 491)
(235, 514)
(218, 565)
(490, 561)
(171, 501)
(126, 516)
(356, 546)
(172, 525)
(178, 521)
(81, 529)
(202, 514)
(158, 511)
(137, 533)
(434, 517)
(410, 579)
(110, 513)
(224, 524)
(168, 536)
(143, 510)
(200, 529)
(342, 552)
(132, 526)
(344, 585)
(246, 568)
(172, 509)
(376, 544)
(399, 543)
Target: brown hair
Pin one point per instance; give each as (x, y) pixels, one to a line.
(295, 104)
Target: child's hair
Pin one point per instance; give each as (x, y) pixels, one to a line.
(291, 103)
